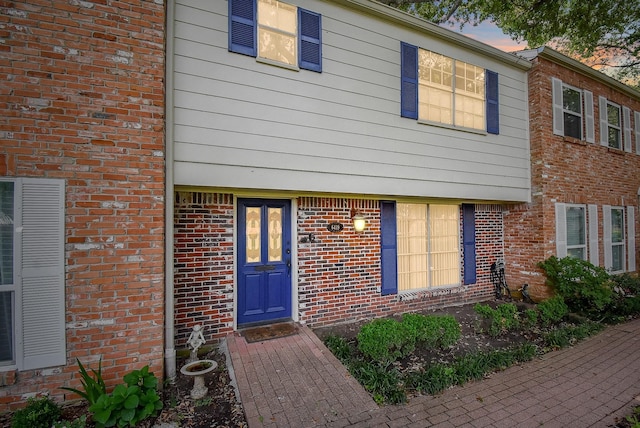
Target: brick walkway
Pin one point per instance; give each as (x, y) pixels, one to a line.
(297, 382)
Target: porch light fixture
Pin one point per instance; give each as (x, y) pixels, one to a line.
(359, 222)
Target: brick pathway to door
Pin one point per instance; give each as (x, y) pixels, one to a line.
(296, 382)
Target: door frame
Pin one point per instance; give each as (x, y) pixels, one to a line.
(294, 250)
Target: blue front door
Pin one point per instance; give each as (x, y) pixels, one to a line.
(264, 260)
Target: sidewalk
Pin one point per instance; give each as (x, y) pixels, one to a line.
(296, 382)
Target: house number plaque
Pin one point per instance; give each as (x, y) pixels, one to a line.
(335, 227)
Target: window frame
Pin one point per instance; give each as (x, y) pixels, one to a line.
(294, 35)
(621, 244)
(583, 246)
(566, 111)
(618, 128)
(431, 253)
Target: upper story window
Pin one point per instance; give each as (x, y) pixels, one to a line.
(613, 130)
(572, 111)
(276, 32)
(439, 89)
(615, 125)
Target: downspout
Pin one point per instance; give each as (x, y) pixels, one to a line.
(169, 342)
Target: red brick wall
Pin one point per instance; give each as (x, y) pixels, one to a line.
(203, 265)
(568, 171)
(82, 98)
(338, 273)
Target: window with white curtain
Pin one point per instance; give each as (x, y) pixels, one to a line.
(617, 240)
(428, 246)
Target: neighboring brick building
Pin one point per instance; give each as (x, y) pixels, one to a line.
(81, 192)
(585, 182)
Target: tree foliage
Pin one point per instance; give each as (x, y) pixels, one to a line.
(601, 33)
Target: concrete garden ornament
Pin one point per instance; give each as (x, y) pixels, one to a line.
(195, 367)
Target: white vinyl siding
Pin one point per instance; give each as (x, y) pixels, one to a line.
(39, 316)
(239, 124)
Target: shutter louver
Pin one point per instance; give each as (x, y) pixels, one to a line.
(310, 40)
(594, 252)
(388, 247)
(626, 127)
(558, 113)
(409, 81)
(604, 122)
(493, 107)
(561, 231)
(242, 27)
(636, 116)
(590, 130)
(42, 266)
(631, 238)
(469, 243)
(606, 236)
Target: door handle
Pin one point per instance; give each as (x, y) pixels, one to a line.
(289, 266)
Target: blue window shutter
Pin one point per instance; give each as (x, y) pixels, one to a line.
(493, 110)
(310, 40)
(469, 242)
(242, 27)
(388, 244)
(409, 81)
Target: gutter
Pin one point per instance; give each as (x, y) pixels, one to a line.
(169, 330)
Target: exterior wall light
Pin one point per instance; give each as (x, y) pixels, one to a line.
(359, 222)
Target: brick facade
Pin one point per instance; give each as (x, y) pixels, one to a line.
(338, 273)
(565, 170)
(82, 87)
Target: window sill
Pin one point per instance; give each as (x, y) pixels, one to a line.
(452, 127)
(615, 151)
(277, 64)
(573, 140)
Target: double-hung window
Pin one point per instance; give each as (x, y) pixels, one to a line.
(32, 329)
(576, 221)
(428, 244)
(615, 125)
(276, 32)
(572, 111)
(441, 90)
(619, 238)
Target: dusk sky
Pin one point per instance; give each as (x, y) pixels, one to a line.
(490, 34)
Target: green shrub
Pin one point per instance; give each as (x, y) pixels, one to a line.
(128, 404)
(571, 334)
(432, 331)
(552, 310)
(586, 288)
(501, 319)
(382, 381)
(385, 340)
(339, 346)
(39, 413)
(626, 297)
(530, 319)
(80, 422)
(93, 386)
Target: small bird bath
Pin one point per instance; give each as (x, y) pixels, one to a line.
(197, 370)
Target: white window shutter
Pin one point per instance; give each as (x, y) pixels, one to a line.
(637, 127)
(594, 253)
(631, 238)
(604, 123)
(626, 126)
(606, 236)
(558, 115)
(590, 130)
(42, 305)
(561, 230)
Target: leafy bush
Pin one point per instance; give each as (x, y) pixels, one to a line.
(570, 334)
(39, 413)
(382, 381)
(552, 310)
(339, 346)
(586, 288)
(385, 340)
(80, 422)
(93, 386)
(128, 404)
(432, 331)
(626, 297)
(530, 318)
(501, 319)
